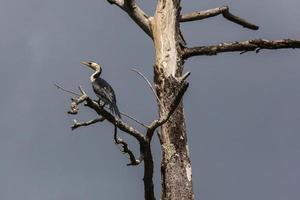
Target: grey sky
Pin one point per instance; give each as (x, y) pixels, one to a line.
(243, 113)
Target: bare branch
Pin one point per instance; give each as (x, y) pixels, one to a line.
(148, 82)
(80, 98)
(224, 10)
(136, 13)
(126, 150)
(244, 46)
(105, 114)
(74, 93)
(163, 119)
(80, 124)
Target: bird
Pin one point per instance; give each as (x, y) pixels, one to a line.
(102, 89)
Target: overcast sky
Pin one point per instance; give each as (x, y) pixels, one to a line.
(243, 111)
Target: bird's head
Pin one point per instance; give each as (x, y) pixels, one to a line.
(92, 65)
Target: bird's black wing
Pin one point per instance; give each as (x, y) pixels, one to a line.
(106, 94)
(104, 90)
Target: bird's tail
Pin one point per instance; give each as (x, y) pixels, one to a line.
(115, 110)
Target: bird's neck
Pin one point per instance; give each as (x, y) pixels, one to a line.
(95, 75)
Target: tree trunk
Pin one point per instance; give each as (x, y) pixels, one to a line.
(176, 172)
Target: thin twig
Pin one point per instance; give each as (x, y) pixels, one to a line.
(134, 119)
(150, 85)
(65, 90)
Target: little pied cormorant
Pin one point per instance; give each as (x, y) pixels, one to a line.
(102, 89)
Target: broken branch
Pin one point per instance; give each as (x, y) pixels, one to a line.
(80, 124)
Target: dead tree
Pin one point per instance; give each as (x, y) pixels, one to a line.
(170, 85)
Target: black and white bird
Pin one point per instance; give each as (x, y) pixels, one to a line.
(102, 89)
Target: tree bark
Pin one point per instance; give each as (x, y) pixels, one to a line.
(176, 175)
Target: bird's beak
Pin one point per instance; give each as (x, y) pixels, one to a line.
(85, 63)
